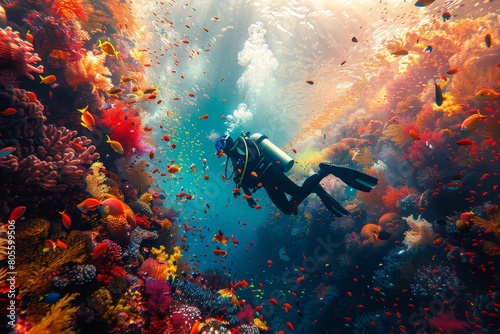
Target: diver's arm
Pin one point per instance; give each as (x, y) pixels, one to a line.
(251, 202)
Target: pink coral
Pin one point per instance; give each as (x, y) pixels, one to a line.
(420, 150)
(159, 296)
(246, 314)
(16, 57)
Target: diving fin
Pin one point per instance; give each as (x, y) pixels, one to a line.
(353, 178)
(332, 205)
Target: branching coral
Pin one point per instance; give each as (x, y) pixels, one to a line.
(89, 69)
(16, 57)
(393, 195)
(51, 33)
(95, 181)
(137, 175)
(420, 235)
(58, 319)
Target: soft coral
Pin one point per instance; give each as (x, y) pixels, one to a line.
(125, 125)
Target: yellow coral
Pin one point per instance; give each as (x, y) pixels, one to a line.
(449, 106)
(146, 198)
(228, 293)
(261, 324)
(58, 319)
(96, 186)
(159, 254)
(362, 155)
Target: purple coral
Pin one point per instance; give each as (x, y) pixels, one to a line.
(159, 296)
(52, 33)
(16, 57)
(47, 160)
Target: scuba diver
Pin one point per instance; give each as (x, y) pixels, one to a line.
(257, 163)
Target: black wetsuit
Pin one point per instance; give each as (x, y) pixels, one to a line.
(274, 181)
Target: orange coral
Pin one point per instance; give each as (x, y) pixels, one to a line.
(373, 199)
(369, 235)
(392, 223)
(89, 69)
(69, 9)
(393, 195)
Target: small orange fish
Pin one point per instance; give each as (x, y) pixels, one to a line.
(257, 207)
(151, 154)
(165, 138)
(172, 169)
(99, 249)
(218, 251)
(61, 244)
(254, 174)
(66, 220)
(78, 147)
(452, 70)
(116, 146)
(272, 301)
(204, 116)
(414, 134)
(310, 82)
(219, 237)
(89, 204)
(206, 177)
(48, 80)
(17, 213)
(9, 112)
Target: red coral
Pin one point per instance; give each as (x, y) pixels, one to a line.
(142, 221)
(420, 150)
(69, 9)
(125, 125)
(393, 195)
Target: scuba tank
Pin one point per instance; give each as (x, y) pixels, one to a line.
(273, 152)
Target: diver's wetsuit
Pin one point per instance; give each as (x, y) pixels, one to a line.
(274, 181)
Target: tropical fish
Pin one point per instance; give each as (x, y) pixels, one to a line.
(471, 122)
(66, 220)
(89, 204)
(107, 48)
(196, 327)
(218, 251)
(400, 52)
(428, 49)
(204, 116)
(9, 112)
(50, 298)
(439, 94)
(446, 16)
(464, 142)
(414, 134)
(115, 145)
(149, 91)
(487, 40)
(112, 206)
(272, 301)
(423, 3)
(452, 70)
(220, 238)
(125, 79)
(17, 213)
(310, 82)
(61, 244)
(87, 119)
(290, 326)
(115, 90)
(172, 169)
(486, 94)
(6, 151)
(99, 249)
(48, 80)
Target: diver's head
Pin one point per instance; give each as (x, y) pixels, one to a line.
(224, 144)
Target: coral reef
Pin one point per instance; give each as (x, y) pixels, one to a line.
(95, 181)
(419, 235)
(52, 33)
(16, 57)
(160, 299)
(59, 318)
